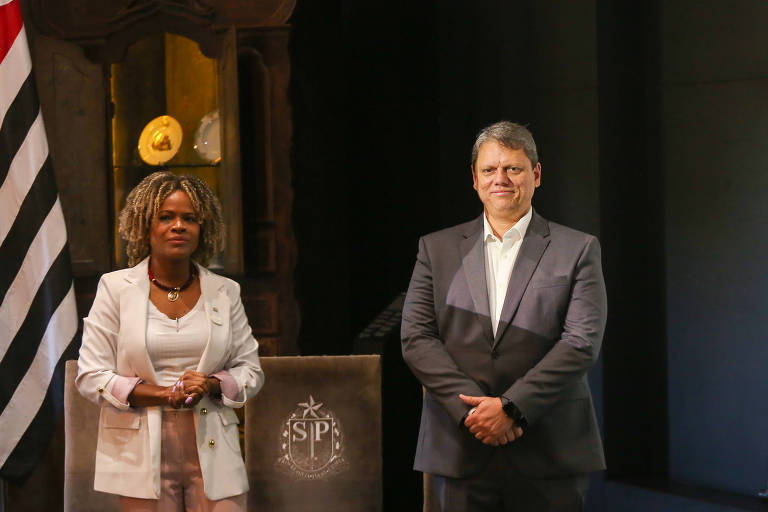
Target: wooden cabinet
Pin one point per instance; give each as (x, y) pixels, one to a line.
(97, 91)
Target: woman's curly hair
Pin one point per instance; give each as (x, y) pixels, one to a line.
(145, 200)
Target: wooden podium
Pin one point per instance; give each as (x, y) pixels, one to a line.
(313, 435)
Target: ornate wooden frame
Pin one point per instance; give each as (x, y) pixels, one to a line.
(104, 29)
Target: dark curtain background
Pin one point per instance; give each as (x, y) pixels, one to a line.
(650, 119)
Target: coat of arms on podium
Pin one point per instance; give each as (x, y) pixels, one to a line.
(311, 442)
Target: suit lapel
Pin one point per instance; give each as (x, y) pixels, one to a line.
(217, 312)
(473, 263)
(534, 243)
(133, 330)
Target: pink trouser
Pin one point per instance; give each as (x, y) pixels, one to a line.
(181, 481)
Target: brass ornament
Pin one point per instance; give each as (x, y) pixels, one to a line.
(160, 140)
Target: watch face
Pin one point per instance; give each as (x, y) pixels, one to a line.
(207, 138)
(160, 140)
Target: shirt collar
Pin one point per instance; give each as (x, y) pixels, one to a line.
(521, 227)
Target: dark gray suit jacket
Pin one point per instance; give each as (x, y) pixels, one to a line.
(548, 336)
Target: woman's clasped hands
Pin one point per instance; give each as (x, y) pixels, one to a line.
(190, 389)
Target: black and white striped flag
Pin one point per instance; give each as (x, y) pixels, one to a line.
(38, 318)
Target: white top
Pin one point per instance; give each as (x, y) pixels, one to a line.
(500, 257)
(176, 345)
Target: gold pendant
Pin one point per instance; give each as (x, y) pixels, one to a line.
(173, 295)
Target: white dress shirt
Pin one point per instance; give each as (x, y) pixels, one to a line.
(500, 257)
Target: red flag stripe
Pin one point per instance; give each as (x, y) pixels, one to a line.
(15, 68)
(10, 26)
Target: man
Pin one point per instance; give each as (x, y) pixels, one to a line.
(503, 318)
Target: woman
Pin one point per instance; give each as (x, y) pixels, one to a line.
(167, 353)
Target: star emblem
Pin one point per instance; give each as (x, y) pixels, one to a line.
(310, 407)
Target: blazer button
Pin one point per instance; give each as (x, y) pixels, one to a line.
(211, 443)
(100, 389)
(203, 411)
(494, 354)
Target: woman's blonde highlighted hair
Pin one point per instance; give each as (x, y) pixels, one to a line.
(144, 201)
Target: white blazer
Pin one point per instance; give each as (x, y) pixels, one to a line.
(114, 343)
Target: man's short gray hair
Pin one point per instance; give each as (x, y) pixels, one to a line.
(510, 135)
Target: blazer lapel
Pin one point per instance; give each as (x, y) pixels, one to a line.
(134, 302)
(217, 312)
(534, 243)
(473, 263)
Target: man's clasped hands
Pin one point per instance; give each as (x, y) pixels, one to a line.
(488, 422)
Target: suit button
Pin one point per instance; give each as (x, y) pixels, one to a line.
(494, 354)
(203, 411)
(100, 389)
(211, 443)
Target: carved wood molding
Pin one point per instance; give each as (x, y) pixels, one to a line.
(142, 11)
(105, 28)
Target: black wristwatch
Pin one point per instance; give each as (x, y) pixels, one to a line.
(511, 410)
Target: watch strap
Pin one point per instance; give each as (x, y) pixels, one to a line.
(512, 411)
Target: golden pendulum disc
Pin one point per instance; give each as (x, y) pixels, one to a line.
(160, 140)
(173, 295)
